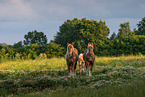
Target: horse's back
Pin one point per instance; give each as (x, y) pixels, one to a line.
(85, 53)
(76, 51)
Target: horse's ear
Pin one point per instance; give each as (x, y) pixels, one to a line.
(72, 43)
(67, 43)
(88, 44)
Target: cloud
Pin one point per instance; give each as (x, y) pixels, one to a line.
(142, 6)
(64, 9)
(21, 16)
(92, 8)
(11, 10)
(41, 10)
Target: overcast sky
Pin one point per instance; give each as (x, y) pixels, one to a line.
(18, 17)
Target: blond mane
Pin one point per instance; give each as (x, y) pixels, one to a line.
(68, 53)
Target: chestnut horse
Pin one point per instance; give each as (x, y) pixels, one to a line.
(81, 62)
(89, 58)
(71, 59)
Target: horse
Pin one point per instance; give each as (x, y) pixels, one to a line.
(71, 59)
(81, 63)
(89, 58)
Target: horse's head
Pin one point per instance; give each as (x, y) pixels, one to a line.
(90, 48)
(70, 49)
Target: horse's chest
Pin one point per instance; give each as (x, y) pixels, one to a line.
(72, 59)
(90, 58)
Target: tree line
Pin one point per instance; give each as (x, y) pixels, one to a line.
(80, 32)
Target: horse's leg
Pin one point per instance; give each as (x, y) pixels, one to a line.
(71, 70)
(74, 68)
(90, 69)
(79, 66)
(87, 68)
(68, 67)
(90, 72)
(83, 66)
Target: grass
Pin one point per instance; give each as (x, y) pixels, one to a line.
(135, 88)
(39, 64)
(49, 77)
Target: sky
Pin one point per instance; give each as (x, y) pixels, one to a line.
(18, 17)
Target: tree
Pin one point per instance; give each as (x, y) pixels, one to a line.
(3, 53)
(54, 50)
(10, 53)
(35, 37)
(113, 36)
(81, 32)
(31, 52)
(17, 45)
(124, 31)
(1, 47)
(3, 44)
(141, 27)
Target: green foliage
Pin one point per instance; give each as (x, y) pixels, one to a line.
(141, 27)
(35, 37)
(3, 44)
(81, 32)
(113, 36)
(135, 44)
(54, 50)
(3, 53)
(26, 76)
(1, 47)
(10, 53)
(17, 45)
(135, 89)
(124, 31)
(31, 52)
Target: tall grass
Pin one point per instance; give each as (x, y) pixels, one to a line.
(20, 77)
(38, 64)
(134, 88)
(60, 63)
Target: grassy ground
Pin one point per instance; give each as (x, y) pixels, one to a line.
(112, 76)
(133, 88)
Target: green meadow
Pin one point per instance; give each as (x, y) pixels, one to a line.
(122, 76)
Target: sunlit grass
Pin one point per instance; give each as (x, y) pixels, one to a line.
(51, 74)
(120, 61)
(60, 63)
(38, 64)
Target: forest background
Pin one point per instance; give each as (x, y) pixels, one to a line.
(80, 32)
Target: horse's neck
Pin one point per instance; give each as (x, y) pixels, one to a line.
(89, 51)
(68, 52)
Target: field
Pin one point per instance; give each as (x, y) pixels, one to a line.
(112, 77)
